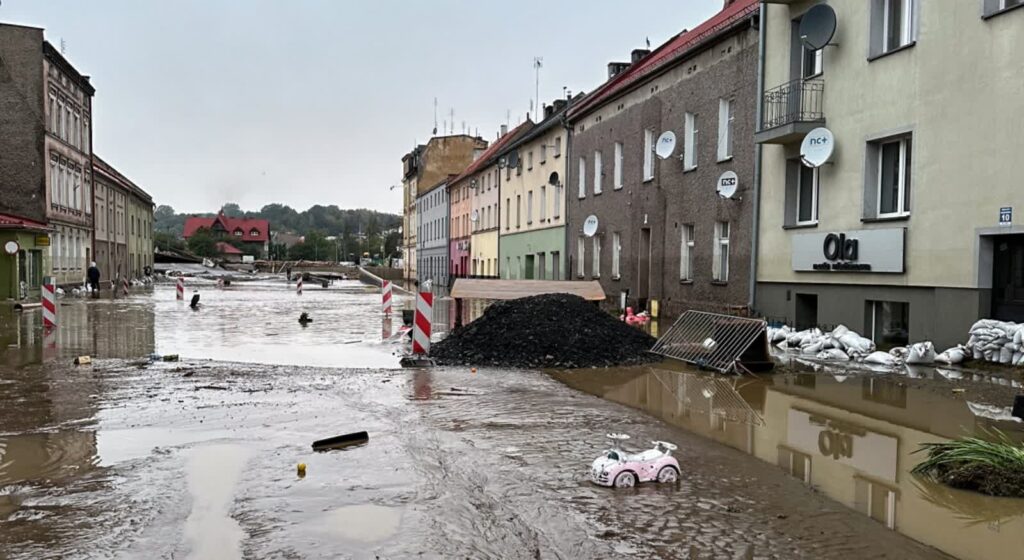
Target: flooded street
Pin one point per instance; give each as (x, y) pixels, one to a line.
(129, 458)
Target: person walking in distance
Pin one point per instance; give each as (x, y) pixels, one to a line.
(93, 276)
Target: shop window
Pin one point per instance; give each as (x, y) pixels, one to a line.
(889, 323)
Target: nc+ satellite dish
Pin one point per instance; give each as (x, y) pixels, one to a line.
(474, 216)
(590, 226)
(728, 183)
(818, 26)
(666, 144)
(817, 147)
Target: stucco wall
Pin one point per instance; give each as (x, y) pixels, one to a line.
(484, 250)
(515, 248)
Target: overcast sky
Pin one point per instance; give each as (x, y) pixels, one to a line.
(306, 102)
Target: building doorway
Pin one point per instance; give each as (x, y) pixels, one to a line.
(529, 267)
(556, 273)
(542, 266)
(1008, 278)
(643, 275)
(806, 311)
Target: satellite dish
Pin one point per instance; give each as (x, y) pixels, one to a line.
(513, 159)
(817, 26)
(728, 183)
(666, 144)
(590, 226)
(12, 247)
(553, 178)
(817, 147)
(474, 216)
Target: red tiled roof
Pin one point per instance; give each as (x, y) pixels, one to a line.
(493, 149)
(9, 221)
(227, 249)
(670, 51)
(230, 225)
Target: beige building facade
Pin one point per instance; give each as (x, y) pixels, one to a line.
(912, 229)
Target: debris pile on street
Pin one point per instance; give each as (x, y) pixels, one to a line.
(551, 330)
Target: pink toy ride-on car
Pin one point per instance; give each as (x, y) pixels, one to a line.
(621, 469)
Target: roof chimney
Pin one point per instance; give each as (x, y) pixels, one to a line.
(638, 54)
(504, 130)
(548, 111)
(616, 68)
(560, 104)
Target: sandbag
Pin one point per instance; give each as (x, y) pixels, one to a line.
(839, 331)
(899, 352)
(954, 355)
(854, 341)
(1005, 355)
(921, 353)
(880, 358)
(812, 348)
(833, 354)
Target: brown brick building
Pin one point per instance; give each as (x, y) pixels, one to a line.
(664, 232)
(46, 142)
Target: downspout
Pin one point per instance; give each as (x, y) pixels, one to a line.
(761, 36)
(568, 268)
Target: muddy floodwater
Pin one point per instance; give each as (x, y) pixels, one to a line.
(134, 458)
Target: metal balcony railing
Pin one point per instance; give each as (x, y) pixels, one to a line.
(796, 101)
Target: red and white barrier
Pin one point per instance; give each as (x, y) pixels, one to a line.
(298, 288)
(385, 291)
(180, 289)
(124, 286)
(49, 305)
(421, 326)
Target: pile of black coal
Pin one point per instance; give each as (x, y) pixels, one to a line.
(546, 331)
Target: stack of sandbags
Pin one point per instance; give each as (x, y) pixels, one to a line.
(996, 341)
(840, 344)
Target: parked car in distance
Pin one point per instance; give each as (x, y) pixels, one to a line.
(621, 469)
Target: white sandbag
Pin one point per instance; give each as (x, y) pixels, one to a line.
(1018, 337)
(832, 354)
(880, 358)
(976, 353)
(899, 352)
(1018, 357)
(993, 412)
(839, 331)
(812, 349)
(921, 353)
(1005, 355)
(854, 341)
(954, 355)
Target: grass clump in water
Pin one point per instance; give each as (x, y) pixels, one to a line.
(990, 466)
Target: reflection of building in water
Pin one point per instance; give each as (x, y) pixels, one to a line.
(50, 457)
(117, 332)
(852, 440)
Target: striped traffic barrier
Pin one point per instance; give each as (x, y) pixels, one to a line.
(49, 305)
(421, 325)
(180, 289)
(386, 297)
(298, 288)
(124, 286)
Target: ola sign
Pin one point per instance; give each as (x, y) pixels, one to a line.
(817, 147)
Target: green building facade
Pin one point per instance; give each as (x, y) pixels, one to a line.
(21, 273)
(533, 255)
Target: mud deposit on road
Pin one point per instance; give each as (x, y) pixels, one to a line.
(197, 459)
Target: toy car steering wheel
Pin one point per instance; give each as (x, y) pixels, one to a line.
(665, 444)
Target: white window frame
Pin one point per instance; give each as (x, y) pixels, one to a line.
(617, 173)
(543, 153)
(597, 172)
(906, 26)
(595, 244)
(529, 207)
(557, 202)
(726, 122)
(581, 247)
(720, 262)
(903, 209)
(815, 183)
(648, 155)
(519, 211)
(690, 141)
(529, 160)
(686, 248)
(583, 178)
(818, 65)
(543, 202)
(616, 252)
(558, 146)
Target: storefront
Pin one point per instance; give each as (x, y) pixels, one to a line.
(24, 256)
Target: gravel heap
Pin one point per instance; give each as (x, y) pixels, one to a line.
(551, 330)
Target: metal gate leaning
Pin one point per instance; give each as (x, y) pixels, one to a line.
(723, 343)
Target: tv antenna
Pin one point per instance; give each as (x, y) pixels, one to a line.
(63, 46)
(435, 116)
(538, 63)
(452, 129)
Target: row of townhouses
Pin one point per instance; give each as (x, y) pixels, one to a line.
(818, 163)
(61, 205)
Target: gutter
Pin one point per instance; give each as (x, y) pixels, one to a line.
(761, 35)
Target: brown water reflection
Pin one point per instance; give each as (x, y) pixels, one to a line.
(851, 438)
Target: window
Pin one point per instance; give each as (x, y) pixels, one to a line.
(519, 210)
(894, 178)
(597, 173)
(807, 196)
(543, 203)
(529, 159)
(889, 323)
(811, 63)
(557, 201)
(508, 213)
(558, 146)
(689, 142)
(583, 178)
(725, 128)
(616, 251)
(54, 127)
(54, 183)
(893, 25)
(992, 7)
(529, 207)
(617, 165)
(686, 253)
(238, 233)
(543, 153)
(720, 266)
(581, 245)
(87, 194)
(648, 154)
(596, 261)
(76, 192)
(85, 135)
(76, 131)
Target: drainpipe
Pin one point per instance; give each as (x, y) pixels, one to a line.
(761, 35)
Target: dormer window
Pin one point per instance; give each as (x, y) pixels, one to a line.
(254, 232)
(238, 232)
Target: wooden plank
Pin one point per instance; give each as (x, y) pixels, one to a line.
(476, 288)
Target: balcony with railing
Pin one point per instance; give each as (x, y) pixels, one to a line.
(790, 111)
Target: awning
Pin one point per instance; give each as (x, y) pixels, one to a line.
(8, 221)
(475, 288)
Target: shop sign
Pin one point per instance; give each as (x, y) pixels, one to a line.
(42, 241)
(843, 442)
(866, 250)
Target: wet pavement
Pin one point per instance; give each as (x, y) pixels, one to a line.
(197, 459)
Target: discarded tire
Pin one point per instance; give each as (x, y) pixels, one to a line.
(546, 331)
